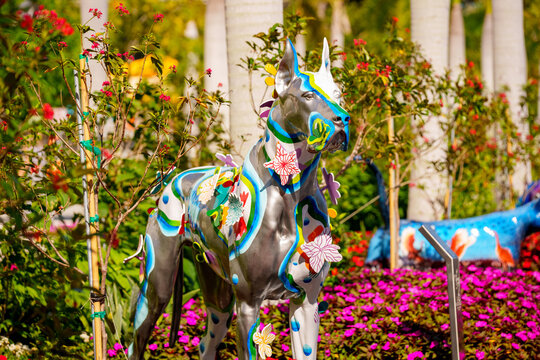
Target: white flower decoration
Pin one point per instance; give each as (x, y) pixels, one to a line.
(263, 339)
(320, 250)
(206, 189)
(284, 164)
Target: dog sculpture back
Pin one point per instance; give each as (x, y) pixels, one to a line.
(260, 230)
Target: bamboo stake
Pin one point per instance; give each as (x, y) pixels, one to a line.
(392, 193)
(92, 223)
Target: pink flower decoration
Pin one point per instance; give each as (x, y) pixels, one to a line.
(227, 159)
(284, 164)
(320, 250)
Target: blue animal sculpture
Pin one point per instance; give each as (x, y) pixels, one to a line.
(259, 231)
(496, 236)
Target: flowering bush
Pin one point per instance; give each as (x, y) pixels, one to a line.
(402, 314)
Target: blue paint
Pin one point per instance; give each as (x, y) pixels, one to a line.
(165, 199)
(307, 280)
(267, 135)
(306, 221)
(214, 318)
(212, 335)
(235, 279)
(307, 350)
(295, 325)
(295, 263)
(201, 347)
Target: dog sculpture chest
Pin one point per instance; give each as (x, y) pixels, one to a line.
(260, 231)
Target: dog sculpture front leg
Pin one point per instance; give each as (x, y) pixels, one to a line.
(247, 324)
(304, 318)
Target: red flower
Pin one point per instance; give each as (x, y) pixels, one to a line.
(48, 112)
(395, 19)
(27, 23)
(359, 42)
(158, 18)
(62, 44)
(122, 10)
(164, 97)
(96, 13)
(472, 131)
(209, 72)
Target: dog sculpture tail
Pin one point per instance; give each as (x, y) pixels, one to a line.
(177, 300)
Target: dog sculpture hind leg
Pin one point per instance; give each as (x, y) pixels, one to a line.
(260, 231)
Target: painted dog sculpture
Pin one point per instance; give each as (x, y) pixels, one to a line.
(262, 229)
(496, 236)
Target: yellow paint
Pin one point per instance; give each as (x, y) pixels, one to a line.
(269, 81)
(332, 213)
(270, 69)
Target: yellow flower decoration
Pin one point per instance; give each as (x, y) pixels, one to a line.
(263, 339)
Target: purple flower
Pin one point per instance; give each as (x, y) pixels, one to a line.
(373, 346)
(184, 339)
(349, 332)
(367, 307)
(111, 352)
(404, 307)
(515, 346)
(386, 346)
(195, 341)
(480, 354)
(481, 324)
(152, 347)
(445, 327)
(414, 355)
(285, 348)
(506, 336)
(483, 317)
(118, 346)
(522, 335)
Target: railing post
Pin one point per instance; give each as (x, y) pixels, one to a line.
(454, 289)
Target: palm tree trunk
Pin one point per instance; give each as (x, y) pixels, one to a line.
(456, 51)
(510, 69)
(339, 27)
(487, 49)
(429, 28)
(215, 54)
(245, 18)
(95, 68)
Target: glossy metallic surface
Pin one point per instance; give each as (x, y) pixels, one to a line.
(257, 255)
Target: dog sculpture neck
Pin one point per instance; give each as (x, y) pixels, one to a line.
(305, 119)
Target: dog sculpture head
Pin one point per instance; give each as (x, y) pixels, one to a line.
(310, 103)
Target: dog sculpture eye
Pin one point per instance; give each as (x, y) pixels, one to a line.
(308, 95)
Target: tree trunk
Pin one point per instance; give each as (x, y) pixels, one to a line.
(456, 51)
(245, 18)
(510, 69)
(215, 55)
(429, 28)
(487, 49)
(339, 27)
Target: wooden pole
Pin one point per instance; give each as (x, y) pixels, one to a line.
(97, 311)
(392, 192)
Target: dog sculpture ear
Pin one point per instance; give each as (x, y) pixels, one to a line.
(288, 67)
(325, 65)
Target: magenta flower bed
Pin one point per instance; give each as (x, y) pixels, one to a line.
(379, 314)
